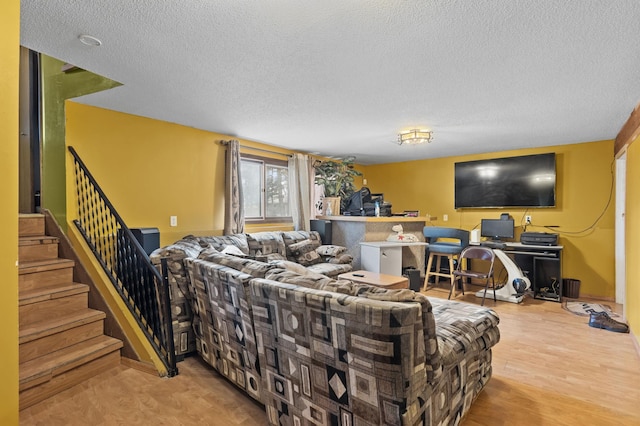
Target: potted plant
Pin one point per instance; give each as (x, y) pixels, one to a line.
(337, 177)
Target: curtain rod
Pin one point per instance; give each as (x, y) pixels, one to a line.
(225, 143)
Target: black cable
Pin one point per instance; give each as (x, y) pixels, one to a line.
(590, 227)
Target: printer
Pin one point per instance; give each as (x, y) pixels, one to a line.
(539, 238)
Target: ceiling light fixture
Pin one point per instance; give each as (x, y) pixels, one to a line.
(89, 40)
(414, 137)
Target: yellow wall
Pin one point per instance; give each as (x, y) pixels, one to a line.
(583, 187)
(151, 170)
(632, 230)
(9, 52)
(165, 169)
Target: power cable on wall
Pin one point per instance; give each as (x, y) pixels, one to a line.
(595, 222)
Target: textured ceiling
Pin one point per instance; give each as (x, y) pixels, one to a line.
(344, 77)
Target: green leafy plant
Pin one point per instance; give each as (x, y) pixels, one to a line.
(337, 177)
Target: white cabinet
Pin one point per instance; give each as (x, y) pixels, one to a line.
(383, 257)
(383, 260)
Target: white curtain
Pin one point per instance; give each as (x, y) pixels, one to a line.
(234, 209)
(301, 190)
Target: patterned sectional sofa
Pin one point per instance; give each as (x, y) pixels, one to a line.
(301, 247)
(315, 350)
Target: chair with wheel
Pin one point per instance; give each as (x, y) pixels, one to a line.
(476, 262)
(443, 242)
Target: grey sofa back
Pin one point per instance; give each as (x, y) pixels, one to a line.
(224, 322)
(332, 358)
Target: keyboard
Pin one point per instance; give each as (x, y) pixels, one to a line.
(493, 244)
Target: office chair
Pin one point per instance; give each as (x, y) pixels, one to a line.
(476, 253)
(443, 242)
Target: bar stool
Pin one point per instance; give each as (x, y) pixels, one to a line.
(444, 242)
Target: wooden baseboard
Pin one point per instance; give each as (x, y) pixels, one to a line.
(139, 365)
(634, 339)
(598, 298)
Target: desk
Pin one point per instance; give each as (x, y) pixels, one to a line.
(385, 257)
(542, 265)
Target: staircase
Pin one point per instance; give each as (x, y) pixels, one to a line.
(61, 339)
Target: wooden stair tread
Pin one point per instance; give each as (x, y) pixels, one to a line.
(32, 240)
(44, 368)
(35, 266)
(50, 292)
(61, 323)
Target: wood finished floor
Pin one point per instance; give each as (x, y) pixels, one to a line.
(550, 368)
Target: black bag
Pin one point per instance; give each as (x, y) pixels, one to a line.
(355, 204)
(362, 203)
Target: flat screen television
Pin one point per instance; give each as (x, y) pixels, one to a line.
(524, 181)
(497, 229)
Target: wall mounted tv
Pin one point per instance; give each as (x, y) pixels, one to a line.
(524, 181)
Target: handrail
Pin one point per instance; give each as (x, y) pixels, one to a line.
(144, 290)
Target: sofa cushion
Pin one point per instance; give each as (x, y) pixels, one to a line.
(330, 250)
(266, 243)
(274, 257)
(330, 269)
(248, 266)
(220, 242)
(292, 266)
(186, 247)
(316, 281)
(292, 237)
(305, 253)
(334, 254)
(341, 259)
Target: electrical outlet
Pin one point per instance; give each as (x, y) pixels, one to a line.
(364, 181)
(527, 219)
(445, 217)
(174, 221)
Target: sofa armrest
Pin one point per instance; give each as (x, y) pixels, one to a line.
(462, 328)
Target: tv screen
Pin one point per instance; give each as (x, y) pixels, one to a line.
(525, 181)
(497, 229)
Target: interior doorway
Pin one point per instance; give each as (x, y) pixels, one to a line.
(620, 252)
(29, 138)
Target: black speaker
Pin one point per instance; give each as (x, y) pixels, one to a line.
(413, 274)
(323, 227)
(149, 238)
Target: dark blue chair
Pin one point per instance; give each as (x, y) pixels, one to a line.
(443, 242)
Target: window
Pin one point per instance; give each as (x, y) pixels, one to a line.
(265, 189)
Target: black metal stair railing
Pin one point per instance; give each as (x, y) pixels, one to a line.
(143, 289)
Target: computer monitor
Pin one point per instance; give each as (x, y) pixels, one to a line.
(377, 197)
(496, 229)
